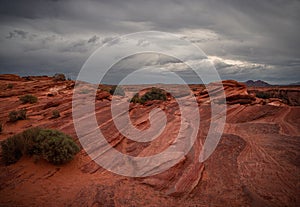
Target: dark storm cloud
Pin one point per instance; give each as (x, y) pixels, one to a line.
(17, 33)
(252, 39)
(93, 39)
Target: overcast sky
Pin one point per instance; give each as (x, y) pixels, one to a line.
(244, 39)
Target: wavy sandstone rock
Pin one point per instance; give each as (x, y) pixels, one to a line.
(256, 162)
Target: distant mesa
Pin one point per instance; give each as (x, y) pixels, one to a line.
(258, 83)
(10, 77)
(13, 77)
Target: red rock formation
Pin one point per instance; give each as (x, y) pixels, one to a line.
(255, 164)
(288, 95)
(236, 93)
(10, 77)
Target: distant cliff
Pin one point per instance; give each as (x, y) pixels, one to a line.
(258, 83)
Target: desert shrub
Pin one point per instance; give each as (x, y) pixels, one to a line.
(20, 144)
(59, 77)
(55, 114)
(51, 145)
(10, 86)
(13, 116)
(28, 99)
(22, 114)
(263, 94)
(57, 148)
(154, 94)
(85, 91)
(104, 88)
(28, 78)
(12, 150)
(117, 90)
(135, 99)
(17, 115)
(30, 141)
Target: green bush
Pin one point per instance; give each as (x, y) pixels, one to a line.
(12, 150)
(153, 94)
(22, 114)
(117, 90)
(28, 99)
(30, 140)
(57, 148)
(10, 86)
(135, 99)
(51, 145)
(13, 116)
(85, 91)
(59, 77)
(17, 115)
(55, 114)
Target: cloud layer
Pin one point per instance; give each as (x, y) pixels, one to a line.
(245, 39)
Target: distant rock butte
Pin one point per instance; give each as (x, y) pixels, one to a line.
(256, 162)
(258, 83)
(10, 77)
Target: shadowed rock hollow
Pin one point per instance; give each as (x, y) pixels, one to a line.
(256, 162)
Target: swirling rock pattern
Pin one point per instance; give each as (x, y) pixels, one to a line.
(256, 162)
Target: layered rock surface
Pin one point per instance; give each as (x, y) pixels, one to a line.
(256, 162)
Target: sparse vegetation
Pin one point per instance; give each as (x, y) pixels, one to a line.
(10, 86)
(57, 148)
(17, 115)
(22, 114)
(117, 90)
(51, 145)
(104, 88)
(55, 114)
(135, 99)
(59, 77)
(153, 94)
(11, 150)
(13, 116)
(85, 91)
(28, 99)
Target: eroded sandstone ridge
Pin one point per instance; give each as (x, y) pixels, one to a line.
(255, 164)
